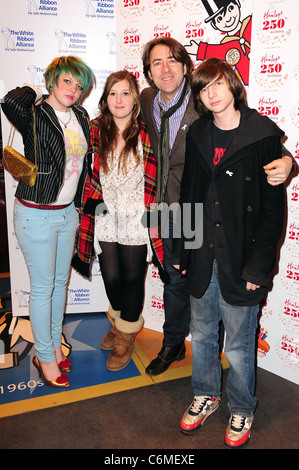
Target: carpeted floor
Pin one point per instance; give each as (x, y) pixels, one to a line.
(147, 417)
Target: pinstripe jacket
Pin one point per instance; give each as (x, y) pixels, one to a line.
(50, 144)
(93, 196)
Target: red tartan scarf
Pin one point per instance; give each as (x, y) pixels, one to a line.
(93, 195)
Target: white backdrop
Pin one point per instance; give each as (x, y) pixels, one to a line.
(273, 90)
(273, 79)
(33, 32)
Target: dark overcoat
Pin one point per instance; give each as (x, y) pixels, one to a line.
(250, 211)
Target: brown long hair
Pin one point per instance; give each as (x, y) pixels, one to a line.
(214, 69)
(108, 129)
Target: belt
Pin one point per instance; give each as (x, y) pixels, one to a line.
(42, 206)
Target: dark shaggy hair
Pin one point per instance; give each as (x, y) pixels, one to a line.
(209, 71)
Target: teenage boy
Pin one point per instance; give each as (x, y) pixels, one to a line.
(167, 67)
(243, 218)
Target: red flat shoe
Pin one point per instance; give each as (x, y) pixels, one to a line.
(66, 365)
(61, 382)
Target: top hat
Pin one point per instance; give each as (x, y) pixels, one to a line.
(214, 7)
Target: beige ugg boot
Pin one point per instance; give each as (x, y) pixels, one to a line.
(123, 343)
(108, 340)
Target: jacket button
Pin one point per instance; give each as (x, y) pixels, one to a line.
(217, 223)
(249, 209)
(216, 202)
(211, 245)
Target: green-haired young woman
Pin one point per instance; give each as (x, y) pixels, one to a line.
(45, 216)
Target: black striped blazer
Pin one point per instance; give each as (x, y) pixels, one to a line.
(50, 144)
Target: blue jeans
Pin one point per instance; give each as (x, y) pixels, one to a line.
(240, 325)
(46, 238)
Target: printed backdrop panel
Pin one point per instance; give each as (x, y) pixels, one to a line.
(273, 90)
(32, 34)
(262, 54)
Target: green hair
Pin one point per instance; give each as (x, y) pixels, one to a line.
(73, 65)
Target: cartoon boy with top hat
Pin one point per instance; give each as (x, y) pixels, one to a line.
(225, 16)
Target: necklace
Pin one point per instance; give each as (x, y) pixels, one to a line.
(69, 120)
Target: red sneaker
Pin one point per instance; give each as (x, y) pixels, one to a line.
(195, 416)
(238, 431)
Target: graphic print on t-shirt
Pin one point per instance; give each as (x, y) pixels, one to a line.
(221, 139)
(75, 147)
(218, 154)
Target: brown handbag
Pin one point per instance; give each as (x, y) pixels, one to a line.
(16, 164)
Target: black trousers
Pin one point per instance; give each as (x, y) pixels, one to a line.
(123, 270)
(176, 302)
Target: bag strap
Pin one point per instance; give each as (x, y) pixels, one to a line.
(34, 134)
(12, 133)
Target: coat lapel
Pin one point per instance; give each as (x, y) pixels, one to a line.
(189, 117)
